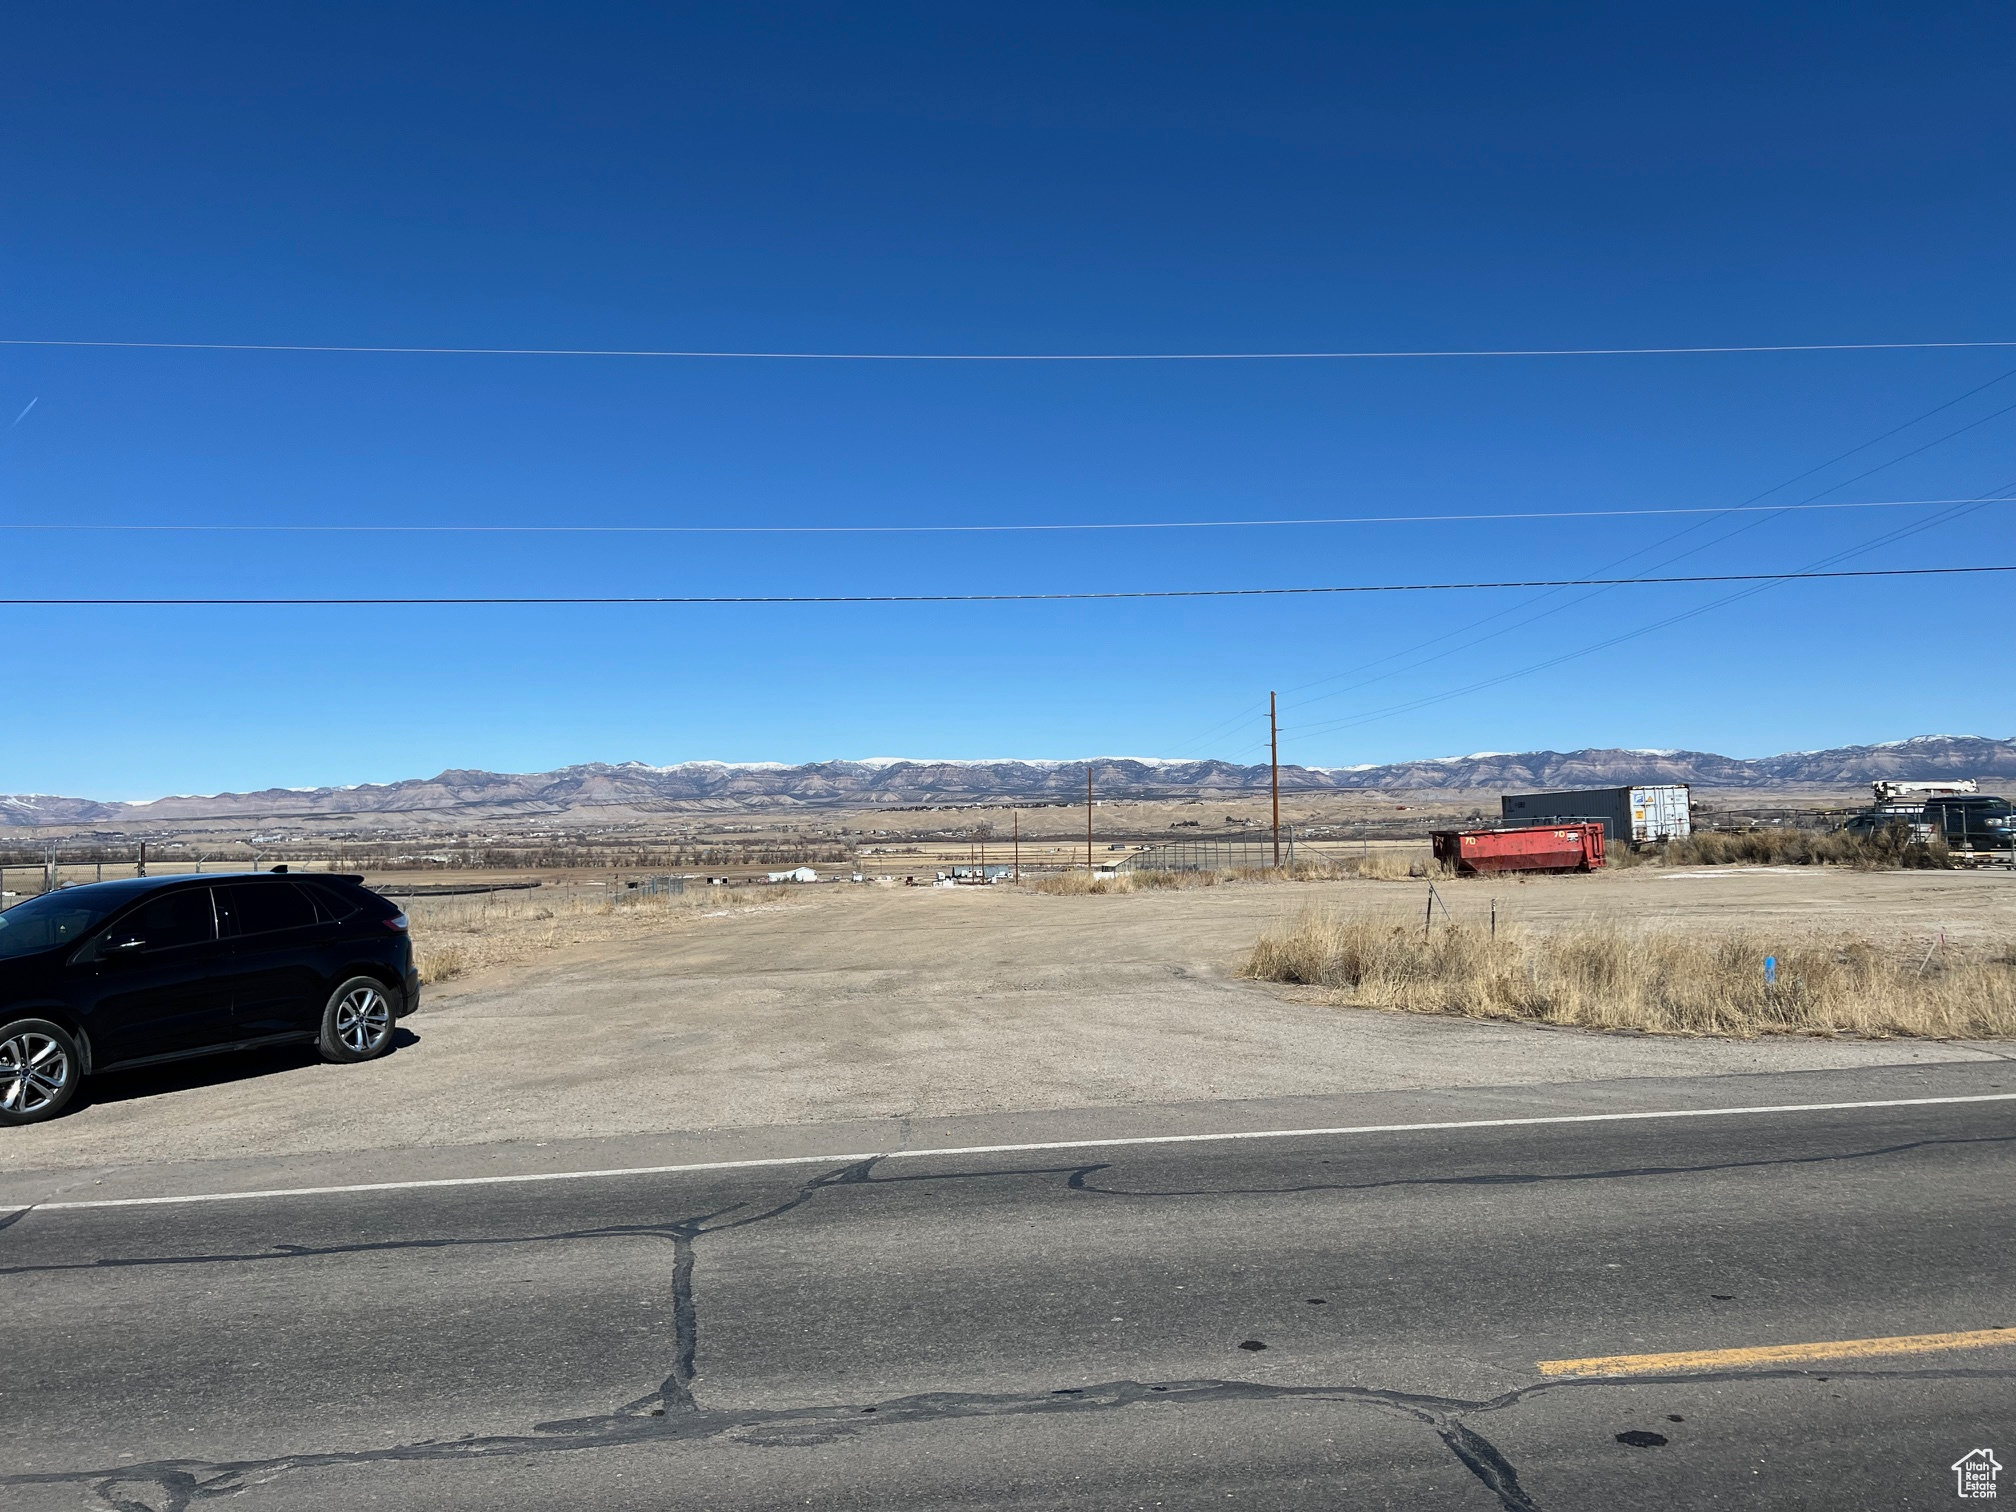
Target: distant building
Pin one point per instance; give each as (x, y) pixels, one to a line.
(796, 874)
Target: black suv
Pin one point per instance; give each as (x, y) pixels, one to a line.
(121, 974)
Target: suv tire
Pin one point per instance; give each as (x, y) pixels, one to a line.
(357, 1023)
(39, 1070)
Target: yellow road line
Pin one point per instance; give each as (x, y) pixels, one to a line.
(1778, 1354)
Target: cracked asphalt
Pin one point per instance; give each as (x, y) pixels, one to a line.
(1336, 1321)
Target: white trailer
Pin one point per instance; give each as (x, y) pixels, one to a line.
(1643, 815)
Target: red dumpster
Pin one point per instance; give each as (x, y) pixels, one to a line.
(1550, 848)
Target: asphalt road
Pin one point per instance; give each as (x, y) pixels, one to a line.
(1327, 1321)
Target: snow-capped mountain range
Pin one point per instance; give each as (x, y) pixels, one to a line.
(477, 796)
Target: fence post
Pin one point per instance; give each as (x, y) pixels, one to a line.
(1435, 897)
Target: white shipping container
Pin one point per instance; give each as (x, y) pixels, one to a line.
(1662, 812)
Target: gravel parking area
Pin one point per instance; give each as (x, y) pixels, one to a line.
(876, 1002)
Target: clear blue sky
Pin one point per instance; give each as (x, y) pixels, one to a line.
(1031, 178)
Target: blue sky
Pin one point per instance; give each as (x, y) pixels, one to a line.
(1083, 178)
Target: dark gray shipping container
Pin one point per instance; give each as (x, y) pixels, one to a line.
(1648, 812)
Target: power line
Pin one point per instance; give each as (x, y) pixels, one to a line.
(988, 598)
(1762, 585)
(1201, 741)
(1430, 519)
(1336, 356)
(1894, 430)
(1600, 586)
(1747, 506)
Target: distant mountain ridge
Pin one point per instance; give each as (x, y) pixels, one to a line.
(497, 797)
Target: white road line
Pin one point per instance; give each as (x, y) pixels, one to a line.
(1010, 1149)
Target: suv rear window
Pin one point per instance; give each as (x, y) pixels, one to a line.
(332, 901)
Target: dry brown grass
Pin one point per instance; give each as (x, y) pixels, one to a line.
(1077, 884)
(1179, 881)
(1388, 865)
(1886, 850)
(456, 935)
(1606, 976)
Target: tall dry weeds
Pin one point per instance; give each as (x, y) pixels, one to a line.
(1178, 881)
(1886, 850)
(1604, 976)
(1387, 865)
(1078, 884)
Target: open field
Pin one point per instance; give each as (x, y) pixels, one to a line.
(462, 934)
(458, 934)
(879, 1002)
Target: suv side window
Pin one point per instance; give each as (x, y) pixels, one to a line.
(182, 917)
(266, 907)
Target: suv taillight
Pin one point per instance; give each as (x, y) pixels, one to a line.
(397, 921)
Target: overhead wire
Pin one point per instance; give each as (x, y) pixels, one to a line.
(476, 600)
(1761, 585)
(322, 528)
(1765, 580)
(1253, 711)
(810, 356)
(1769, 512)
(1750, 504)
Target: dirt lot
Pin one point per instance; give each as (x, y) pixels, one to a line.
(843, 1002)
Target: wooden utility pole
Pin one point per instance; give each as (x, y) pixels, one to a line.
(1274, 760)
(1088, 816)
(1018, 843)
